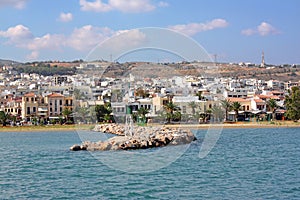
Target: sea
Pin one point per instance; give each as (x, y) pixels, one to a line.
(254, 163)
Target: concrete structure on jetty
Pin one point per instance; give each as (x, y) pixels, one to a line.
(142, 138)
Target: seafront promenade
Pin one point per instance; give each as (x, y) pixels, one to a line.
(275, 124)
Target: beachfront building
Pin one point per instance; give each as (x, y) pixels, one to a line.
(55, 105)
(13, 107)
(30, 106)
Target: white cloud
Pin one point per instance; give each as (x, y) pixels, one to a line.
(65, 17)
(132, 6)
(194, 28)
(33, 55)
(18, 4)
(248, 32)
(18, 35)
(47, 41)
(126, 6)
(263, 29)
(81, 39)
(96, 6)
(127, 39)
(163, 4)
(87, 37)
(266, 29)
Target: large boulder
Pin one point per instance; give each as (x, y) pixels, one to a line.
(143, 138)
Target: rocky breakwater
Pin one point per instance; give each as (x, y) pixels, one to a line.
(140, 138)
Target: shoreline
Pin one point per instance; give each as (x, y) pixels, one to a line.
(241, 125)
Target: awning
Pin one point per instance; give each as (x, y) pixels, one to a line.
(56, 117)
(43, 109)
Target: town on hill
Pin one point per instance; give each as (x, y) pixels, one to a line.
(53, 92)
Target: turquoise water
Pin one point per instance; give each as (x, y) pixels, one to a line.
(244, 164)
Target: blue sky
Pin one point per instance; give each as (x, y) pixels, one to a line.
(234, 30)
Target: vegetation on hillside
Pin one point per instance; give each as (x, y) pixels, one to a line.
(45, 69)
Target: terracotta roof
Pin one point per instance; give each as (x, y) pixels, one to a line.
(259, 100)
(55, 95)
(31, 94)
(268, 96)
(232, 99)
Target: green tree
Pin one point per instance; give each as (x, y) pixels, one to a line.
(103, 112)
(218, 113)
(170, 108)
(66, 113)
(292, 104)
(4, 117)
(78, 95)
(193, 106)
(272, 106)
(236, 106)
(82, 114)
(226, 104)
(142, 112)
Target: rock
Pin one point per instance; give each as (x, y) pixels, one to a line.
(77, 147)
(143, 137)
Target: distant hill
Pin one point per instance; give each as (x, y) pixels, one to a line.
(8, 62)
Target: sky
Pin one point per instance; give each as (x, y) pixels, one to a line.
(230, 31)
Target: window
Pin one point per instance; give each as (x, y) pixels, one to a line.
(60, 102)
(183, 109)
(28, 110)
(27, 99)
(50, 109)
(34, 109)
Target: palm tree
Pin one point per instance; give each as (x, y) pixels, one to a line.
(142, 112)
(226, 104)
(3, 118)
(82, 113)
(272, 105)
(170, 108)
(193, 105)
(66, 113)
(236, 106)
(218, 113)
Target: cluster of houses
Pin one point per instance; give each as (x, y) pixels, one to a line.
(32, 97)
